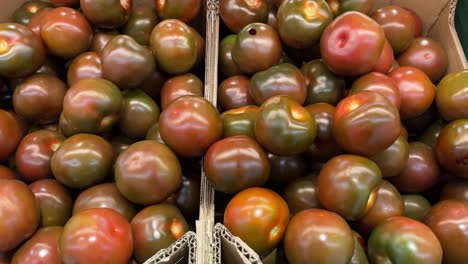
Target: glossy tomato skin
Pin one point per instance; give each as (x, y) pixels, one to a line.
(257, 48)
(323, 86)
(341, 6)
(385, 62)
(10, 134)
(351, 44)
(418, 26)
(359, 254)
(173, 45)
(283, 79)
(36, 21)
(139, 113)
(199, 47)
(184, 10)
(301, 23)
(82, 160)
(383, 125)
(302, 194)
(175, 87)
(156, 227)
(187, 198)
(274, 129)
(144, 165)
(104, 195)
(239, 121)
(104, 231)
(40, 248)
(54, 201)
(101, 38)
(92, 105)
(236, 163)
(398, 25)
(236, 14)
(380, 83)
(421, 171)
(35, 152)
(70, 3)
(86, 65)
(107, 13)
(22, 52)
(315, 229)
(431, 134)
(153, 133)
(338, 191)
(452, 148)
(6, 173)
(416, 206)
(450, 97)
(126, 63)
(141, 22)
(456, 189)
(324, 146)
(389, 203)
(227, 66)
(190, 125)
(403, 240)
(66, 33)
(392, 161)
(285, 169)
(27, 10)
(416, 91)
(234, 92)
(449, 221)
(39, 98)
(20, 214)
(259, 217)
(427, 55)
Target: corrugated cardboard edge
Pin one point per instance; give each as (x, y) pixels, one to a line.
(181, 251)
(204, 225)
(229, 249)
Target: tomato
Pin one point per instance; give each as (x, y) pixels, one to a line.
(427, 55)
(318, 236)
(98, 235)
(54, 201)
(107, 13)
(104, 195)
(227, 66)
(184, 10)
(451, 96)
(21, 52)
(236, 163)
(416, 91)
(20, 214)
(259, 217)
(431, 134)
(10, 134)
(283, 79)
(86, 65)
(41, 248)
(352, 44)
(382, 129)
(175, 87)
(187, 198)
(301, 23)
(82, 160)
(142, 167)
(189, 125)
(65, 32)
(156, 227)
(6, 173)
(257, 48)
(416, 206)
(302, 194)
(403, 240)
(421, 171)
(236, 14)
(393, 160)
(101, 38)
(380, 83)
(398, 25)
(234, 92)
(348, 185)
(456, 189)
(27, 10)
(341, 6)
(239, 121)
(385, 62)
(284, 127)
(452, 148)
(418, 26)
(285, 169)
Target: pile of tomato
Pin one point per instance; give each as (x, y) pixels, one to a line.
(338, 136)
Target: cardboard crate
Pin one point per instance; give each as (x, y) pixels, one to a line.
(438, 23)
